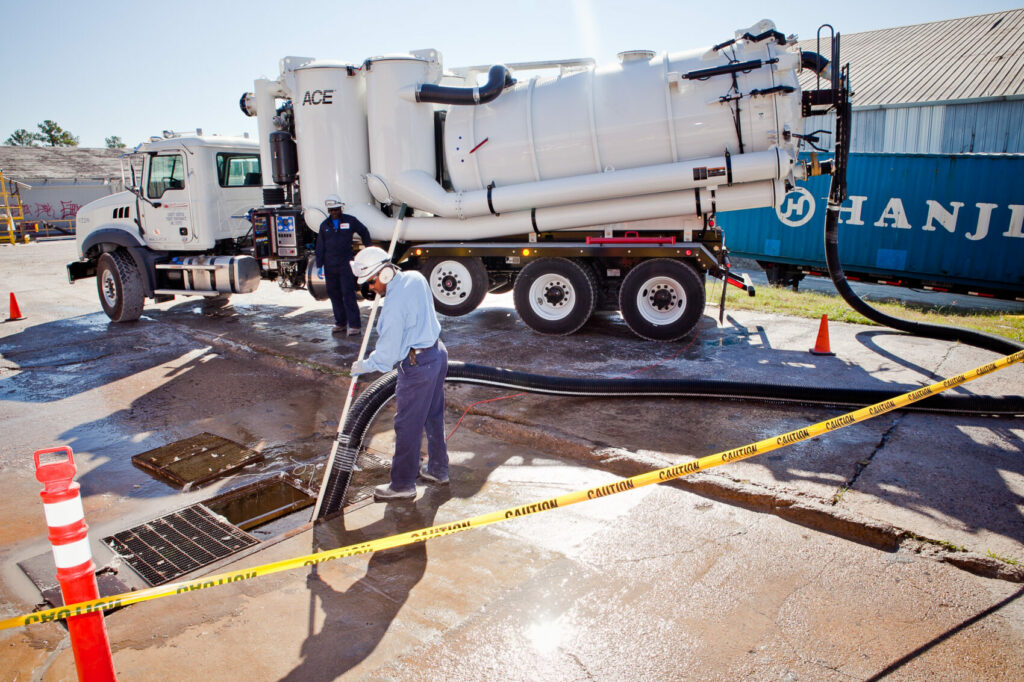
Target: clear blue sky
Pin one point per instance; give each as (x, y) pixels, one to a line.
(133, 69)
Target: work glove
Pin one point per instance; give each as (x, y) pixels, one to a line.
(359, 367)
(320, 272)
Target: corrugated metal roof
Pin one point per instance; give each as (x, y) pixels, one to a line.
(60, 163)
(968, 58)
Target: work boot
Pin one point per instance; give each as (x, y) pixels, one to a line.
(426, 475)
(384, 493)
(338, 329)
(353, 331)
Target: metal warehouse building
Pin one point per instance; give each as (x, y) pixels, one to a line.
(54, 182)
(953, 86)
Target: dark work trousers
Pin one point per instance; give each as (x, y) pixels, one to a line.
(341, 289)
(419, 404)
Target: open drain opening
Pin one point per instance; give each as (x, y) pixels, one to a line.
(260, 503)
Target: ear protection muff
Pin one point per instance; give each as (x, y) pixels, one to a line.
(386, 274)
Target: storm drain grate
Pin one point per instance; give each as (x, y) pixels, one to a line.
(373, 471)
(179, 543)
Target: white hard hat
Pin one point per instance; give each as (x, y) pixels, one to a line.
(333, 201)
(368, 263)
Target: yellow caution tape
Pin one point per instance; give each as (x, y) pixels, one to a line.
(656, 476)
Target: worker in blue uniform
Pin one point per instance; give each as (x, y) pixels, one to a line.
(409, 339)
(333, 254)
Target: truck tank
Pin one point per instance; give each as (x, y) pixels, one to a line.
(642, 111)
(653, 136)
(330, 112)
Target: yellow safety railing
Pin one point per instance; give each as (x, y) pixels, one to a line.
(11, 210)
(14, 226)
(47, 228)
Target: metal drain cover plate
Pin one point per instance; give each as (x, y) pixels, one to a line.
(179, 543)
(196, 460)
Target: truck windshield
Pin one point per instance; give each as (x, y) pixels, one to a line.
(165, 172)
(239, 170)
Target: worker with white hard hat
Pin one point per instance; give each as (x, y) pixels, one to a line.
(333, 253)
(409, 339)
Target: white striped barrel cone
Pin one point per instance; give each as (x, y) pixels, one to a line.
(69, 537)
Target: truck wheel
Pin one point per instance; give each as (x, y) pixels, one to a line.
(458, 284)
(120, 286)
(555, 295)
(662, 299)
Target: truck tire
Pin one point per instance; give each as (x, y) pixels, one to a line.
(555, 295)
(458, 284)
(662, 299)
(120, 286)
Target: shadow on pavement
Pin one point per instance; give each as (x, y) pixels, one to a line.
(356, 619)
(924, 648)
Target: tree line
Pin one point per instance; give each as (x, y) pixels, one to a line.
(53, 135)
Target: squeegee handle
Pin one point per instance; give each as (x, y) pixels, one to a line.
(355, 379)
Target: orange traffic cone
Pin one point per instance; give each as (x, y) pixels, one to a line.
(821, 345)
(15, 310)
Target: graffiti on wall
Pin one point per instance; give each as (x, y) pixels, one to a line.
(44, 210)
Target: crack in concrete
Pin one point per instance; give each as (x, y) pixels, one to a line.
(863, 464)
(654, 556)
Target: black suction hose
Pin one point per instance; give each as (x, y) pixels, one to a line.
(498, 78)
(837, 194)
(372, 400)
(816, 63)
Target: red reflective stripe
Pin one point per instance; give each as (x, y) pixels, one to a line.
(53, 497)
(65, 535)
(631, 240)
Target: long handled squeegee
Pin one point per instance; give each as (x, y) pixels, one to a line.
(349, 449)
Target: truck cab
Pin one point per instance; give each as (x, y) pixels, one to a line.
(180, 228)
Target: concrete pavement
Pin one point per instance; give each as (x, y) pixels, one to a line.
(704, 584)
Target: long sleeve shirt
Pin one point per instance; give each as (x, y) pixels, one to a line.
(407, 321)
(334, 241)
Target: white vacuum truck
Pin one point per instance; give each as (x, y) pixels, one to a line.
(593, 187)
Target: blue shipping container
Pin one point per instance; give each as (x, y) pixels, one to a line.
(956, 219)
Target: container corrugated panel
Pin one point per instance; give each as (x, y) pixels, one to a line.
(954, 218)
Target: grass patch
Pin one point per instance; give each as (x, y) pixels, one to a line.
(1004, 559)
(812, 305)
(944, 544)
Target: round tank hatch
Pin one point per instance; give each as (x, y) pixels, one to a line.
(327, 64)
(636, 56)
(395, 58)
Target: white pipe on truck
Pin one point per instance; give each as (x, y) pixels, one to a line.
(590, 214)
(419, 189)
